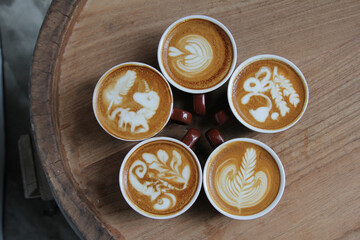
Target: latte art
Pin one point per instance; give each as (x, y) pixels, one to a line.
(137, 121)
(278, 87)
(127, 101)
(195, 57)
(197, 53)
(243, 187)
(167, 175)
(268, 94)
(160, 178)
(241, 178)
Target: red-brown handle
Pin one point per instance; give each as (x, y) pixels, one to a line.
(221, 116)
(214, 137)
(191, 137)
(181, 116)
(199, 104)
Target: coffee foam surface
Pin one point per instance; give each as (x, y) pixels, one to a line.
(197, 54)
(128, 102)
(269, 94)
(161, 177)
(242, 178)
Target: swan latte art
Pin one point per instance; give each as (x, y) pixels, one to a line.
(160, 178)
(196, 54)
(127, 101)
(268, 93)
(241, 178)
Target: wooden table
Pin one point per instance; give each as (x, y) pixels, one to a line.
(80, 40)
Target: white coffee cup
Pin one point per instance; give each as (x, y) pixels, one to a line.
(201, 91)
(189, 139)
(134, 117)
(255, 59)
(219, 144)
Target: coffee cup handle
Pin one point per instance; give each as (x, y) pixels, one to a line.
(214, 137)
(222, 116)
(199, 104)
(181, 116)
(191, 137)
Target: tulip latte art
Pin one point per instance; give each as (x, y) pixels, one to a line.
(161, 177)
(244, 178)
(197, 54)
(128, 100)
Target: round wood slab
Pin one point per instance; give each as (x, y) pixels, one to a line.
(80, 40)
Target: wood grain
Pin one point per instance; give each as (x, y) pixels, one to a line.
(80, 40)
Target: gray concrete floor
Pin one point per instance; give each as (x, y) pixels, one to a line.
(20, 21)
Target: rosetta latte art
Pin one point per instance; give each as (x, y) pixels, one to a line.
(241, 187)
(195, 57)
(149, 100)
(163, 176)
(278, 86)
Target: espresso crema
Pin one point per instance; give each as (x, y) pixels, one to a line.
(132, 102)
(160, 178)
(269, 94)
(242, 178)
(197, 54)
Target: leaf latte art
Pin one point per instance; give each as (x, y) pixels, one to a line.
(241, 187)
(195, 57)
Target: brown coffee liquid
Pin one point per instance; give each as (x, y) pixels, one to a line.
(161, 177)
(269, 94)
(243, 178)
(133, 102)
(197, 54)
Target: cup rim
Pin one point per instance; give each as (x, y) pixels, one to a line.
(139, 210)
(189, 90)
(281, 187)
(254, 59)
(101, 79)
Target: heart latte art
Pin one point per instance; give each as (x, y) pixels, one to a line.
(242, 178)
(161, 177)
